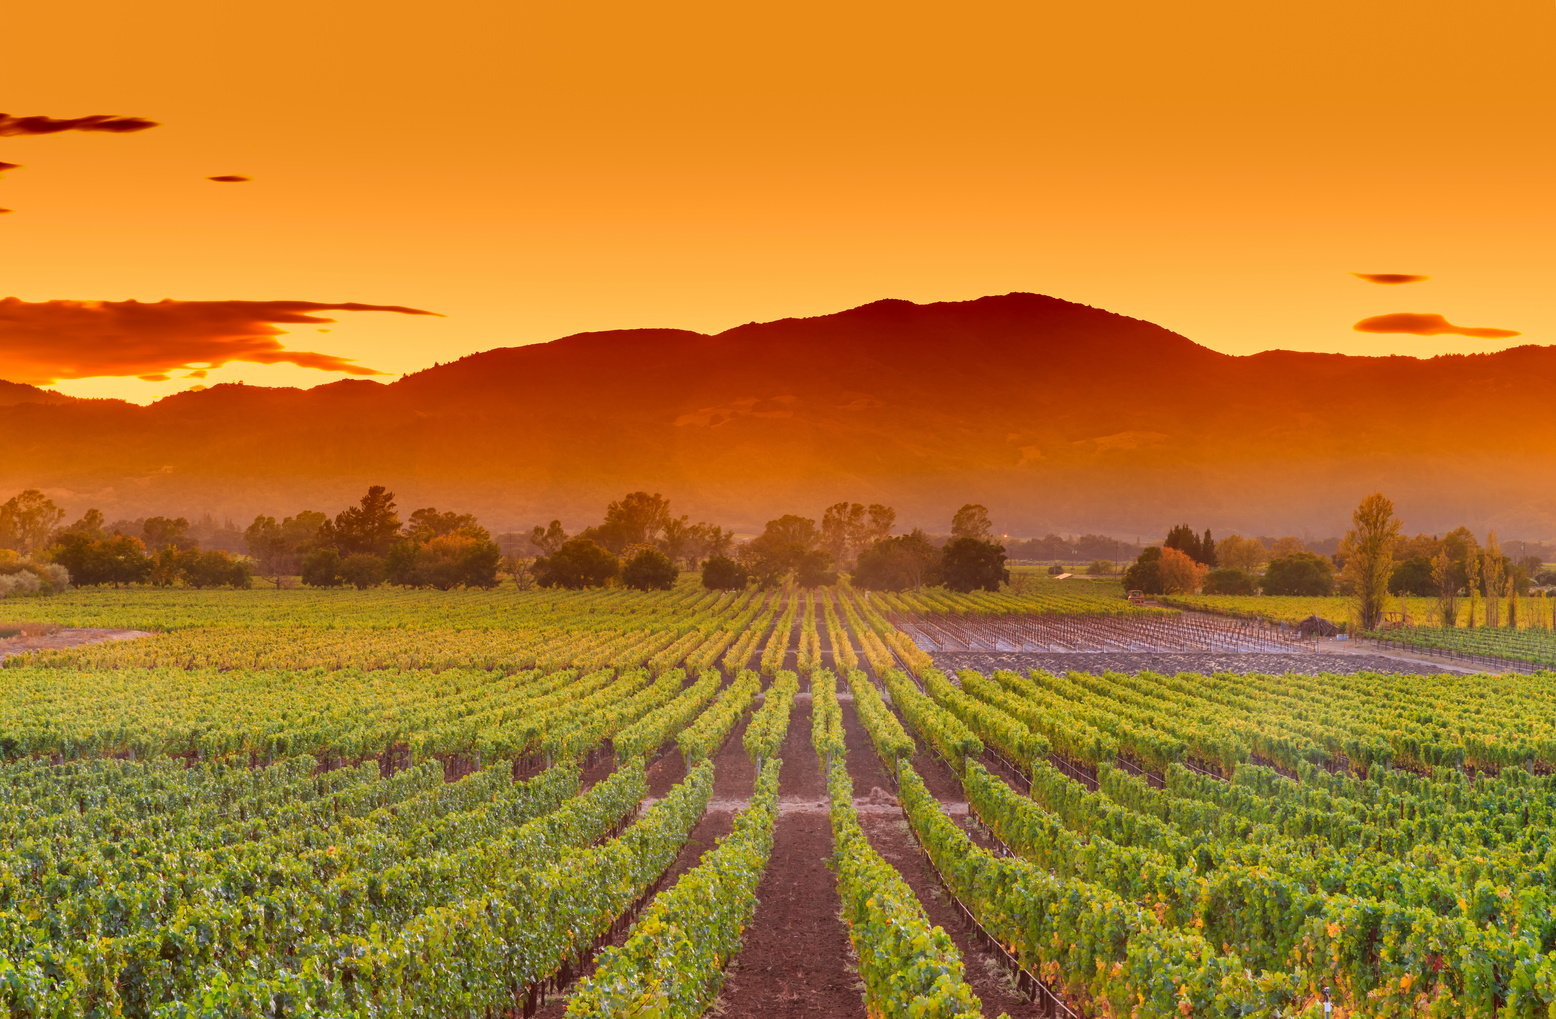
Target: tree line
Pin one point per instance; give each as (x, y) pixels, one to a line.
(640, 543)
(1374, 561)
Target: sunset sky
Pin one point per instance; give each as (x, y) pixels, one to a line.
(529, 170)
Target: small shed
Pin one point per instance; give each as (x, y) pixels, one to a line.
(1313, 626)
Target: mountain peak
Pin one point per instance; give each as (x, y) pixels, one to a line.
(1056, 415)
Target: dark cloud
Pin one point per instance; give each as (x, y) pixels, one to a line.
(9, 166)
(1389, 277)
(229, 179)
(1422, 324)
(10, 125)
(4, 211)
(47, 341)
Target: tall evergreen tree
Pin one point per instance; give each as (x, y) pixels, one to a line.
(1184, 540)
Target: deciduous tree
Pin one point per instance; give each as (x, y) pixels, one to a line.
(427, 523)
(636, 518)
(1302, 573)
(1285, 548)
(445, 561)
(321, 567)
(649, 570)
(1235, 552)
(779, 549)
(1144, 574)
(900, 563)
(1413, 576)
(580, 562)
(549, 538)
(362, 570)
(166, 532)
(1180, 573)
(972, 521)
(847, 528)
(1494, 571)
(1368, 550)
(268, 545)
(1229, 581)
(26, 521)
(1445, 578)
(720, 573)
(114, 559)
(969, 564)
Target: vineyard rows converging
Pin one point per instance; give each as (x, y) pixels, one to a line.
(328, 803)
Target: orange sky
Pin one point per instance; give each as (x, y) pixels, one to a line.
(530, 170)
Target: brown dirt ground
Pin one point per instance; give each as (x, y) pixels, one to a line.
(64, 638)
(796, 959)
(666, 771)
(889, 833)
(717, 822)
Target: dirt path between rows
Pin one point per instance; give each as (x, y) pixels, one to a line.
(64, 638)
(796, 959)
(734, 777)
(889, 833)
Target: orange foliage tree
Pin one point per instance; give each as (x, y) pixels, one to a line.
(1179, 573)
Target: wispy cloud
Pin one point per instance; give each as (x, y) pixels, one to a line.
(229, 178)
(1389, 277)
(50, 341)
(1423, 324)
(10, 125)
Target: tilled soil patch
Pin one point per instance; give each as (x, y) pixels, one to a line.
(665, 772)
(801, 778)
(66, 638)
(864, 764)
(734, 774)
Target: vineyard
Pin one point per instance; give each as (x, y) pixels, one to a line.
(1538, 647)
(607, 803)
(1533, 613)
(1100, 633)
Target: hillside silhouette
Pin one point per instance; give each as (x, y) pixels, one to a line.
(1056, 415)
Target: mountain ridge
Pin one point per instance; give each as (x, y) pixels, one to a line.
(1056, 415)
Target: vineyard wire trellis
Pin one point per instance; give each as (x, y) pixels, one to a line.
(1500, 664)
(1049, 1004)
(1098, 634)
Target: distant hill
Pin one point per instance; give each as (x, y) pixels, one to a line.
(1056, 415)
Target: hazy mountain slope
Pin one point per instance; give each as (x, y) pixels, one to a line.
(1057, 415)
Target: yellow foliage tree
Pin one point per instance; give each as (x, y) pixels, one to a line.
(1368, 549)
